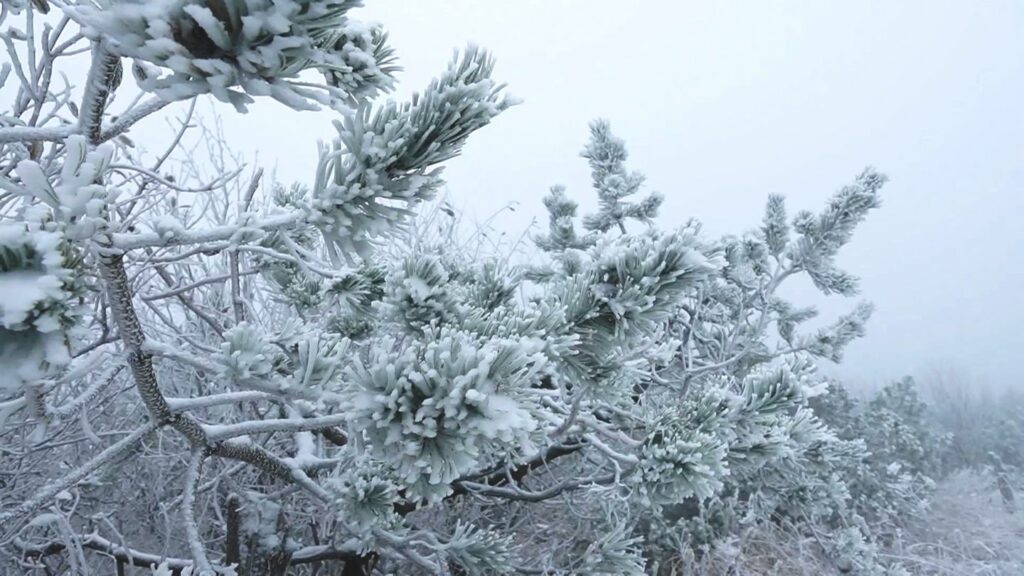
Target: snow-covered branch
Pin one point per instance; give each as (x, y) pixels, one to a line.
(175, 235)
(187, 404)
(14, 134)
(225, 431)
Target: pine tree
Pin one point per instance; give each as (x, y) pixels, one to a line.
(261, 362)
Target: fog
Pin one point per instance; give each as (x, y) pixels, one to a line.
(722, 104)
(168, 344)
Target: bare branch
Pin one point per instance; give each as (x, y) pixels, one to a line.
(108, 455)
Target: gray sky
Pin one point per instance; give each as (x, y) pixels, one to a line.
(723, 103)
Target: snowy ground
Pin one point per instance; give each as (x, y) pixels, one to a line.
(967, 532)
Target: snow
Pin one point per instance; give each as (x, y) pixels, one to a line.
(31, 305)
(26, 357)
(504, 419)
(21, 291)
(273, 41)
(210, 24)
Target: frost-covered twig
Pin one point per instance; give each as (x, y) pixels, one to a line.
(133, 116)
(237, 306)
(112, 452)
(627, 459)
(149, 174)
(136, 240)
(188, 508)
(225, 431)
(185, 404)
(96, 542)
(36, 134)
(197, 284)
(72, 407)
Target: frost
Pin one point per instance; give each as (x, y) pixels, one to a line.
(22, 291)
(247, 48)
(245, 353)
(33, 306)
(77, 201)
(167, 227)
(607, 155)
(263, 523)
(382, 163)
(418, 294)
(418, 289)
(366, 495)
(433, 411)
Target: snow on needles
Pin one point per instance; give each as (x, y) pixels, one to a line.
(238, 49)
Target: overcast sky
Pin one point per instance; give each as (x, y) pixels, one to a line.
(724, 103)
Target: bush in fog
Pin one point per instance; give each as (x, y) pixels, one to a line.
(984, 425)
(900, 452)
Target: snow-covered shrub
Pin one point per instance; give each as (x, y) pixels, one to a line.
(264, 378)
(442, 409)
(897, 451)
(982, 424)
(901, 431)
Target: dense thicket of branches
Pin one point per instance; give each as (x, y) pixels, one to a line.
(214, 373)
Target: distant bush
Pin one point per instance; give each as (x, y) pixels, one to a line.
(902, 449)
(985, 426)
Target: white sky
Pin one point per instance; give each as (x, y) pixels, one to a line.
(723, 103)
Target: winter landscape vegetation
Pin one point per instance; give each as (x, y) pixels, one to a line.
(210, 365)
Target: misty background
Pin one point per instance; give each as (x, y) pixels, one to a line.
(722, 104)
